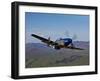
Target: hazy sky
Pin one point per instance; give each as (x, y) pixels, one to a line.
(56, 26)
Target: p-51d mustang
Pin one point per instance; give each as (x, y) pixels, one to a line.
(60, 43)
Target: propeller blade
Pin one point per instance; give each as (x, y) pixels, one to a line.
(74, 37)
(67, 33)
(48, 41)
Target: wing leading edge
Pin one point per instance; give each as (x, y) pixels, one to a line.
(44, 39)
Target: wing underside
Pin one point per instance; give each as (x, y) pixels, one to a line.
(70, 47)
(74, 48)
(44, 40)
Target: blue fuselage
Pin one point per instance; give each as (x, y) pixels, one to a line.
(64, 42)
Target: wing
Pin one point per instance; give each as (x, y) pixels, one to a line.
(44, 40)
(70, 47)
(74, 48)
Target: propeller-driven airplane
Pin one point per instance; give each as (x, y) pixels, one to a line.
(58, 44)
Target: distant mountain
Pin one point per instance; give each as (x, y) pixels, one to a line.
(40, 55)
(39, 49)
(40, 46)
(36, 45)
(81, 44)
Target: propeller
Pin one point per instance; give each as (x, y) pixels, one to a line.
(48, 41)
(74, 37)
(67, 33)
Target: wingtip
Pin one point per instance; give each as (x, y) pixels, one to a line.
(32, 34)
